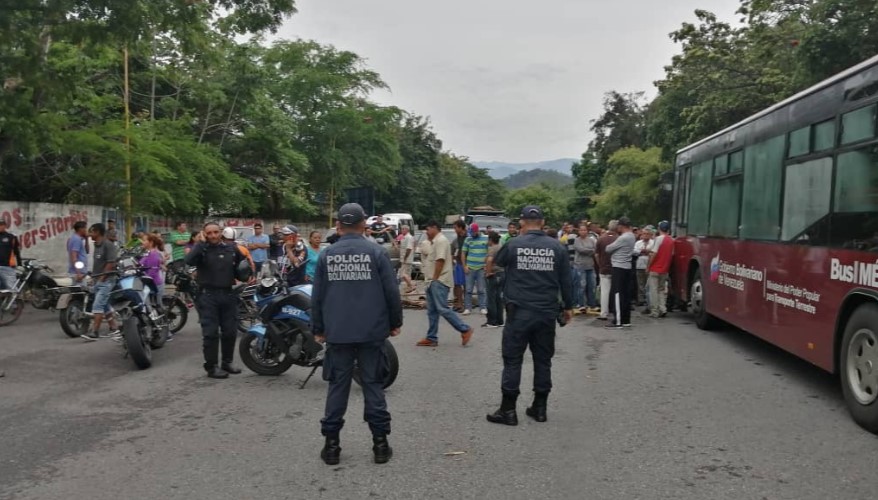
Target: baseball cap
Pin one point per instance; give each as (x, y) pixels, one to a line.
(624, 221)
(664, 226)
(531, 212)
(228, 233)
(350, 214)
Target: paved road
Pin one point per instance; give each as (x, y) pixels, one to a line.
(662, 411)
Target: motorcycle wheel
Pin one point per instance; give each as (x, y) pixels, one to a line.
(248, 349)
(158, 341)
(8, 316)
(392, 366)
(176, 312)
(139, 350)
(73, 320)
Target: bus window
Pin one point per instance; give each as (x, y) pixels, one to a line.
(824, 136)
(858, 125)
(807, 195)
(800, 142)
(763, 169)
(699, 198)
(724, 207)
(855, 217)
(721, 165)
(736, 161)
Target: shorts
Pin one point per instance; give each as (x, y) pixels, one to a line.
(102, 296)
(459, 275)
(405, 270)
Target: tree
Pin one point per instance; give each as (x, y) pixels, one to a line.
(554, 208)
(632, 186)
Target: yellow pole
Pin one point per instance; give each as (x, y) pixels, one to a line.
(128, 203)
(331, 202)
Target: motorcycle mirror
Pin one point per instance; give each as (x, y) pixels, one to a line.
(79, 265)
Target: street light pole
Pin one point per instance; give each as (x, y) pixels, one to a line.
(128, 203)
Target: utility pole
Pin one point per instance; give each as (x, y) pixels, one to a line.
(128, 204)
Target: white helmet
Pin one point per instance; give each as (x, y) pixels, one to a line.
(228, 234)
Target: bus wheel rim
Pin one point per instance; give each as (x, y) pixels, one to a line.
(697, 296)
(863, 366)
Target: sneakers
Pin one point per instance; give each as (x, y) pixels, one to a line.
(484, 311)
(427, 343)
(626, 325)
(602, 318)
(613, 326)
(467, 312)
(115, 332)
(491, 325)
(466, 336)
(90, 336)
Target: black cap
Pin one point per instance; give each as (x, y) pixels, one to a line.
(664, 226)
(532, 212)
(624, 221)
(350, 214)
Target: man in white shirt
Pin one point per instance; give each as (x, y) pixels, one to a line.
(641, 249)
(407, 258)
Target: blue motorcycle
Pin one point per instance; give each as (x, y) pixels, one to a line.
(282, 337)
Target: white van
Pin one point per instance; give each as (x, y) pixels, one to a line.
(395, 221)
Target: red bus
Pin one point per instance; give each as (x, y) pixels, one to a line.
(776, 220)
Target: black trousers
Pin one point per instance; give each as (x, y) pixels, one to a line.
(338, 370)
(218, 315)
(620, 295)
(526, 328)
(495, 299)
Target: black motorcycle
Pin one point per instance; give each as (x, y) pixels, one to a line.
(283, 338)
(39, 288)
(74, 308)
(185, 293)
(144, 326)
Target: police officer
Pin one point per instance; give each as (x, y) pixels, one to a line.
(217, 262)
(355, 306)
(537, 271)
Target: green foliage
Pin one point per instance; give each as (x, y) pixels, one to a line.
(631, 186)
(217, 125)
(554, 206)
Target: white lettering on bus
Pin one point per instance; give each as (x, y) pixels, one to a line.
(860, 273)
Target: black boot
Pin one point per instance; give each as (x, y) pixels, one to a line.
(331, 453)
(210, 348)
(381, 448)
(229, 367)
(217, 372)
(506, 414)
(537, 410)
(228, 351)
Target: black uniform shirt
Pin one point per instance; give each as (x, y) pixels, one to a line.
(216, 264)
(355, 297)
(537, 271)
(10, 250)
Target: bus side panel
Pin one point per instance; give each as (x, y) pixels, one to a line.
(789, 295)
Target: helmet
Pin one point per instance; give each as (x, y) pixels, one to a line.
(243, 272)
(229, 234)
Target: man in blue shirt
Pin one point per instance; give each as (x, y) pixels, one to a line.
(258, 245)
(76, 252)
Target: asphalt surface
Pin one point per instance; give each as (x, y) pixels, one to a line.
(661, 411)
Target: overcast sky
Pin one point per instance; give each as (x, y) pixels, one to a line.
(505, 80)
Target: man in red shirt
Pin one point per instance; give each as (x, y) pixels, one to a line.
(659, 266)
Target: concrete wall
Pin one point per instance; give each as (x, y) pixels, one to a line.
(43, 228)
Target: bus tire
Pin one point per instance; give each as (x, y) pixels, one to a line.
(698, 303)
(858, 362)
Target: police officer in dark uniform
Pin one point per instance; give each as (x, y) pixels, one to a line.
(537, 272)
(355, 306)
(217, 263)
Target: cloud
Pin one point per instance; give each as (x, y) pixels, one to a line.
(505, 79)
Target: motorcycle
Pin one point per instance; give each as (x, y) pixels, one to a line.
(133, 298)
(11, 303)
(186, 291)
(253, 298)
(40, 288)
(282, 338)
(74, 308)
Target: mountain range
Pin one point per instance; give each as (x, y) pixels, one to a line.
(501, 170)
